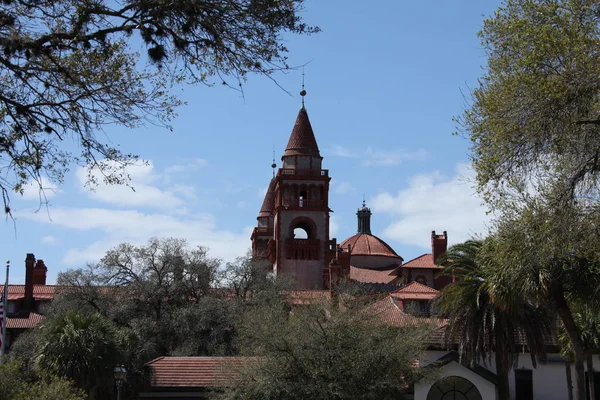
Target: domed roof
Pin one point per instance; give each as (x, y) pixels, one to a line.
(363, 244)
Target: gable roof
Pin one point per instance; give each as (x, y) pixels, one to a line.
(423, 261)
(415, 291)
(302, 140)
(197, 372)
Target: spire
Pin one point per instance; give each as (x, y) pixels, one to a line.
(302, 140)
(268, 205)
(364, 219)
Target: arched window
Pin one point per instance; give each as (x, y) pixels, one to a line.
(303, 230)
(454, 388)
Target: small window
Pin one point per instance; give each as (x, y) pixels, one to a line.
(524, 384)
(11, 307)
(421, 279)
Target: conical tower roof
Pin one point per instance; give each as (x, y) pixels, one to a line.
(302, 140)
(268, 205)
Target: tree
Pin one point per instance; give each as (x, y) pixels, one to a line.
(162, 296)
(323, 351)
(14, 386)
(70, 68)
(81, 347)
(552, 256)
(587, 320)
(535, 118)
(485, 313)
(245, 276)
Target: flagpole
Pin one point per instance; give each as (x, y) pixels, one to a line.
(4, 313)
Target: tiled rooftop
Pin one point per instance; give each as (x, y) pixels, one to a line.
(423, 261)
(197, 372)
(302, 140)
(363, 244)
(26, 321)
(372, 276)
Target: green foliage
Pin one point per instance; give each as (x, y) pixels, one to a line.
(81, 347)
(535, 118)
(326, 352)
(14, 386)
(485, 309)
(245, 276)
(11, 379)
(70, 68)
(50, 389)
(487, 313)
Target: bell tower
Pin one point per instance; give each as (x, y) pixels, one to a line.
(293, 223)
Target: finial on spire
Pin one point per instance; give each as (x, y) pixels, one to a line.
(303, 92)
(273, 165)
(364, 202)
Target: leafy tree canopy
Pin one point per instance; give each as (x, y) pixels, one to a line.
(326, 351)
(535, 117)
(69, 68)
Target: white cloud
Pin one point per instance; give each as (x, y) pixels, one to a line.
(371, 157)
(334, 226)
(386, 158)
(136, 227)
(143, 190)
(344, 187)
(49, 240)
(191, 166)
(341, 151)
(41, 190)
(433, 202)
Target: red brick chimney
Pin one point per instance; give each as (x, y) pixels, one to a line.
(29, 266)
(439, 244)
(39, 273)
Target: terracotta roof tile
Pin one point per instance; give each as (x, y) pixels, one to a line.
(302, 140)
(415, 291)
(197, 372)
(268, 204)
(16, 292)
(363, 244)
(371, 275)
(297, 297)
(423, 261)
(30, 320)
(388, 312)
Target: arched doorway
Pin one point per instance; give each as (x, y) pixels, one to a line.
(454, 388)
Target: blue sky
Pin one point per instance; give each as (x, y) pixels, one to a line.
(383, 84)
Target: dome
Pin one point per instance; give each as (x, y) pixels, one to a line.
(363, 244)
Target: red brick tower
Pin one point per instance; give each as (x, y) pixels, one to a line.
(293, 223)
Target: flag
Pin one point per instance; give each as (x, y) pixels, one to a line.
(2, 320)
(3, 311)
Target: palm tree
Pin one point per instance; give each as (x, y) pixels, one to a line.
(485, 315)
(82, 347)
(587, 320)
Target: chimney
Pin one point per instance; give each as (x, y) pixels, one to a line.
(439, 244)
(39, 273)
(29, 266)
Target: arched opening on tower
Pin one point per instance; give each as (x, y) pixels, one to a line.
(303, 230)
(303, 242)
